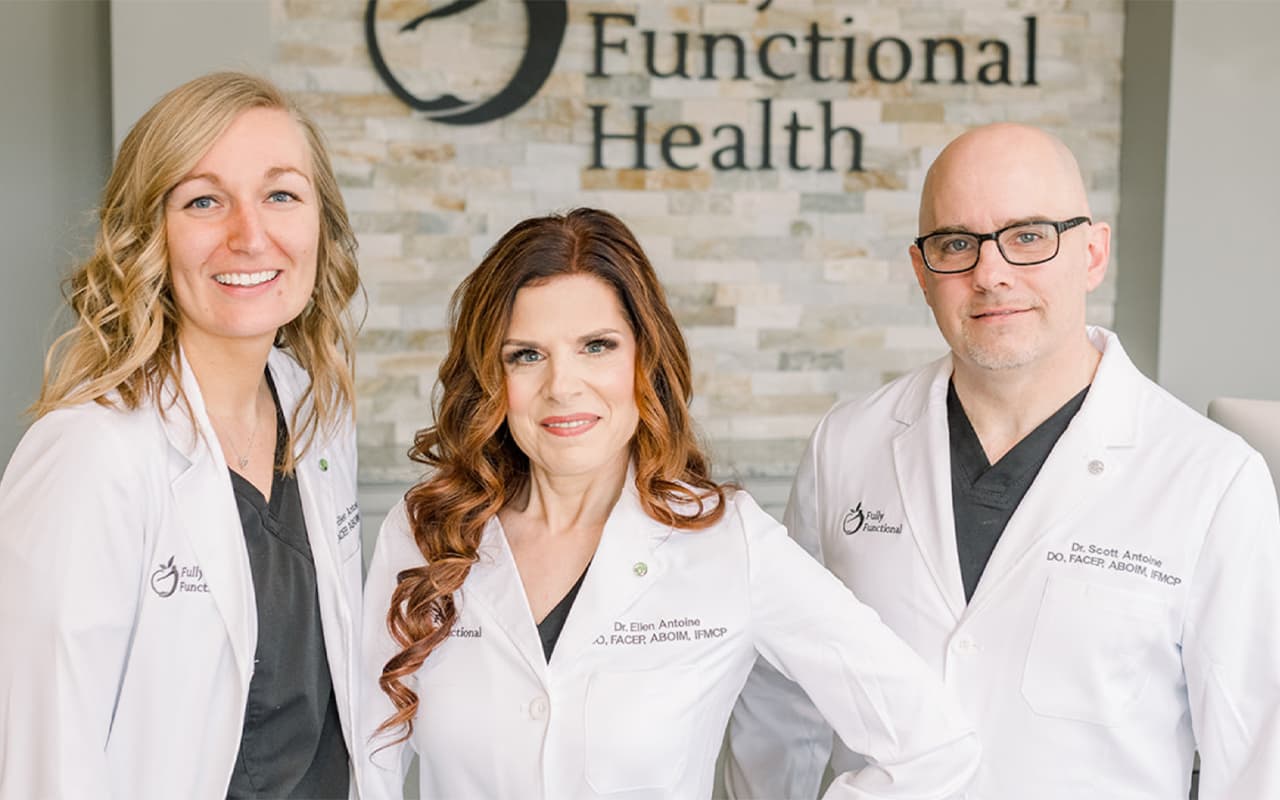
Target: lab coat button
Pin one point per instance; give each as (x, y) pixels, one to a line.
(640, 569)
(538, 708)
(964, 645)
(1096, 467)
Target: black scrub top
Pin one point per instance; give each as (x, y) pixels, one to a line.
(984, 495)
(551, 625)
(292, 743)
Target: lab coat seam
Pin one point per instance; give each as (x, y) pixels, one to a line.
(104, 462)
(1188, 627)
(818, 501)
(97, 446)
(1228, 701)
(747, 554)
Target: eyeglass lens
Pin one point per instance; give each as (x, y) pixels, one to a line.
(1022, 244)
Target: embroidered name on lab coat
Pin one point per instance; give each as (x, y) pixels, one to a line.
(660, 631)
(348, 521)
(1114, 559)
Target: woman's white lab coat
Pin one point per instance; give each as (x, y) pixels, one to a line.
(634, 701)
(127, 610)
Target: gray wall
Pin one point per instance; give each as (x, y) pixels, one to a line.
(1220, 288)
(158, 44)
(1144, 130)
(74, 75)
(55, 148)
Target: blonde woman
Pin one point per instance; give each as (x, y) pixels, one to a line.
(180, 560)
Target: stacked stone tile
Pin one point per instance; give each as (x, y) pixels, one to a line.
(793, 285)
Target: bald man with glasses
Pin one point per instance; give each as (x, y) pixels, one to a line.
(1093, 567)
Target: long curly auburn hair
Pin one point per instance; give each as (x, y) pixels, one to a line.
(475, 468)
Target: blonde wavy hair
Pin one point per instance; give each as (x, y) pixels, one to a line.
(123, 346)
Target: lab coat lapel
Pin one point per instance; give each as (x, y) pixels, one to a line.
(626, 564)
(317, 499)
(205, 507)
(495, 583)
(922, 462)
(320, 516)
(1087, 461)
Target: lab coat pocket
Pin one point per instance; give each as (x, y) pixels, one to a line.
(1089, 651)
(638, 727)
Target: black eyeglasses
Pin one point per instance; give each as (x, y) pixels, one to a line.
(1022, 244)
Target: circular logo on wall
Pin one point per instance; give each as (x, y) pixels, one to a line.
(547, 20)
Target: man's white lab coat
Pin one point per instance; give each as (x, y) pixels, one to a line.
(1128, 614)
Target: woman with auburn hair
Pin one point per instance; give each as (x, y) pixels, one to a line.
(180, 569)
(568, 604)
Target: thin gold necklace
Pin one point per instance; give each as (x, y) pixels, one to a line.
(241, 458)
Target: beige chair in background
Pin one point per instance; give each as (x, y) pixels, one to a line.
(1257, 421)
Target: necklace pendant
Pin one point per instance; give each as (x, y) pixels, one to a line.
(244, 461)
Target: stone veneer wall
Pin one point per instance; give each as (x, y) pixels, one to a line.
(794, 287)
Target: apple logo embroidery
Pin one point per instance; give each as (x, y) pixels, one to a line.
(164, 581)
(852, 522)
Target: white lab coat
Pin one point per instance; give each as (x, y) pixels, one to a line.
(1127, 615)
(634, 701)
(127, 610)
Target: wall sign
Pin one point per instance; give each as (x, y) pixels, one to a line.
(699, 55)
(547, 22)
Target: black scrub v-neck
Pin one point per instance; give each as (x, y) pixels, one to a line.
(551, 625)
(292, 744)
(984, 495)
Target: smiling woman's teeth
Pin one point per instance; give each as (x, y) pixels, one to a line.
(577, 423)
(246, 278)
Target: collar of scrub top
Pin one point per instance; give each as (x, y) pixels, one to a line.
(1115, 372)
(1087, 458)
(627, 563)
(193, 436)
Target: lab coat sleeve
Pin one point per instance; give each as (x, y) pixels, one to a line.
(1231, 642)
(71, 568)
(881, 699)
(385, 763)
(778, 742)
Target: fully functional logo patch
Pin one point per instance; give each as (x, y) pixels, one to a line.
(547, 21)
(853, 520)
(164, 581)
(170, 578)
(867, 521)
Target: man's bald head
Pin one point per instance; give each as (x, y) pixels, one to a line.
(1002, 318)
(1001, 173)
